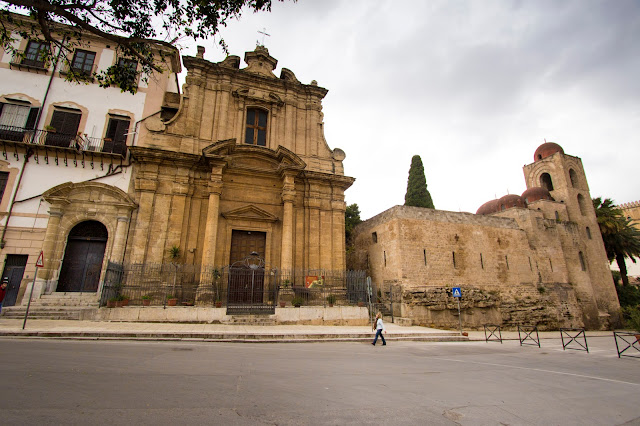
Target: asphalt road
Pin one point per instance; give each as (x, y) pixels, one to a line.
(106, 382)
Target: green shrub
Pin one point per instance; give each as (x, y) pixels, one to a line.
(628, 295)
(631, 316)
(297, 301)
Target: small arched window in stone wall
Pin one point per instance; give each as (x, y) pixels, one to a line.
(453, 255)
(582, 205)
(574, 178)
(583, 265)
(550, 264)
(374, 237)
(557, 217)
(481, 261)
(384, 254)
(424, 252)
(545, 182)
(530, 264)
(588, 233)
(506, 260)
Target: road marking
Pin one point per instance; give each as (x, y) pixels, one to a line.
(542, 370)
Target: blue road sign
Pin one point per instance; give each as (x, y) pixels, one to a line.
(456, 292)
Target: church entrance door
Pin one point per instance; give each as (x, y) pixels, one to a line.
(83, 257)
(249, 285)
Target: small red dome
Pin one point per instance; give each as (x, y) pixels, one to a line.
(489, 207)
(534, 194)
(547, 149)
(511, 200)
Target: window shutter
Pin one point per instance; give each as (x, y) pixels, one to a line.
(31, 120)
(65, 123)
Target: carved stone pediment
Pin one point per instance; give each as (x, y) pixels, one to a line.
(254, 156)
(258, 96)
(88, 192)
(250, 212)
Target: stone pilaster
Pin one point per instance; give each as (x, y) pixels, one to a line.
(49, 244)
(146, 188)
(117, 252)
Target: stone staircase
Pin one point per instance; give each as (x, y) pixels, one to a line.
(57, 306)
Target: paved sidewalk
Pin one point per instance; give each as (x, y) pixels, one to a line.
(69, 329)
(213, 332)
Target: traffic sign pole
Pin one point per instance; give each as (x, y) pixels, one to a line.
(39, 264)
(457, 293)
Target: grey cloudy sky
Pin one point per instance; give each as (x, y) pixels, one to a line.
(472, 87)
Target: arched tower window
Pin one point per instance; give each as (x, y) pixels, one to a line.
(574, 178)
(256, 129)
(545, 182)
(582, 205)
(588, 233)
(583, 265)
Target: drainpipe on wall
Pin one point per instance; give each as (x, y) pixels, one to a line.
(29, 151)
(15, 193)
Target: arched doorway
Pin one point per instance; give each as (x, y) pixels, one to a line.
(82, 262)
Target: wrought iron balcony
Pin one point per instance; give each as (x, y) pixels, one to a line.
(22, 59)
(78, 142)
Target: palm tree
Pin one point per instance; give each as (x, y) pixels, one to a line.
(621, 238)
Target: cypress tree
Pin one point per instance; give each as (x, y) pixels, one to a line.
(417, 194)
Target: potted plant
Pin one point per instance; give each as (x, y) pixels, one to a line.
(283, 303)
(111, 303)
(361, 304)
(218, 303)
(172, 300)
(146, 300)
(125, 300)
(331, 299)
(297, 301)
(286, 284)
(119, 301)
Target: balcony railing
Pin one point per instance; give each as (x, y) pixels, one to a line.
(76, 142)
(21, 58)
(81, 73)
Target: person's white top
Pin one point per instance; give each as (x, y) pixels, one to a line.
(380, 325)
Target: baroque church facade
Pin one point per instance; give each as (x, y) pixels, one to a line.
(243, 166)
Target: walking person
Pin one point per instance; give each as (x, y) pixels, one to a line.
(378, 325)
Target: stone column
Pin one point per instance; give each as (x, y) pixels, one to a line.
(288, 195)
(213, 212)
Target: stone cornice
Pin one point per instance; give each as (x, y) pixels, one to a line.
(159, 156)
(341, 181)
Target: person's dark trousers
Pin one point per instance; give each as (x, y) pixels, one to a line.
(379, 333)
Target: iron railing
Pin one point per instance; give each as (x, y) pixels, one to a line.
(62, 140)
(226, 286)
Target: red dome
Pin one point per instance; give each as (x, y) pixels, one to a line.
(511, 200)
(489, 207)
(534, 194)
(547, 149)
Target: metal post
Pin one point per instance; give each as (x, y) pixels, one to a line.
(35, 274)
(459, 316)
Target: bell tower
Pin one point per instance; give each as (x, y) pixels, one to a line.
(587, 264)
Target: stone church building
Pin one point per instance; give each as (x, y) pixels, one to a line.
(531, 259)
(242, 166)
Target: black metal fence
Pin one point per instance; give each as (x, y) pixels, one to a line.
(235, 288)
